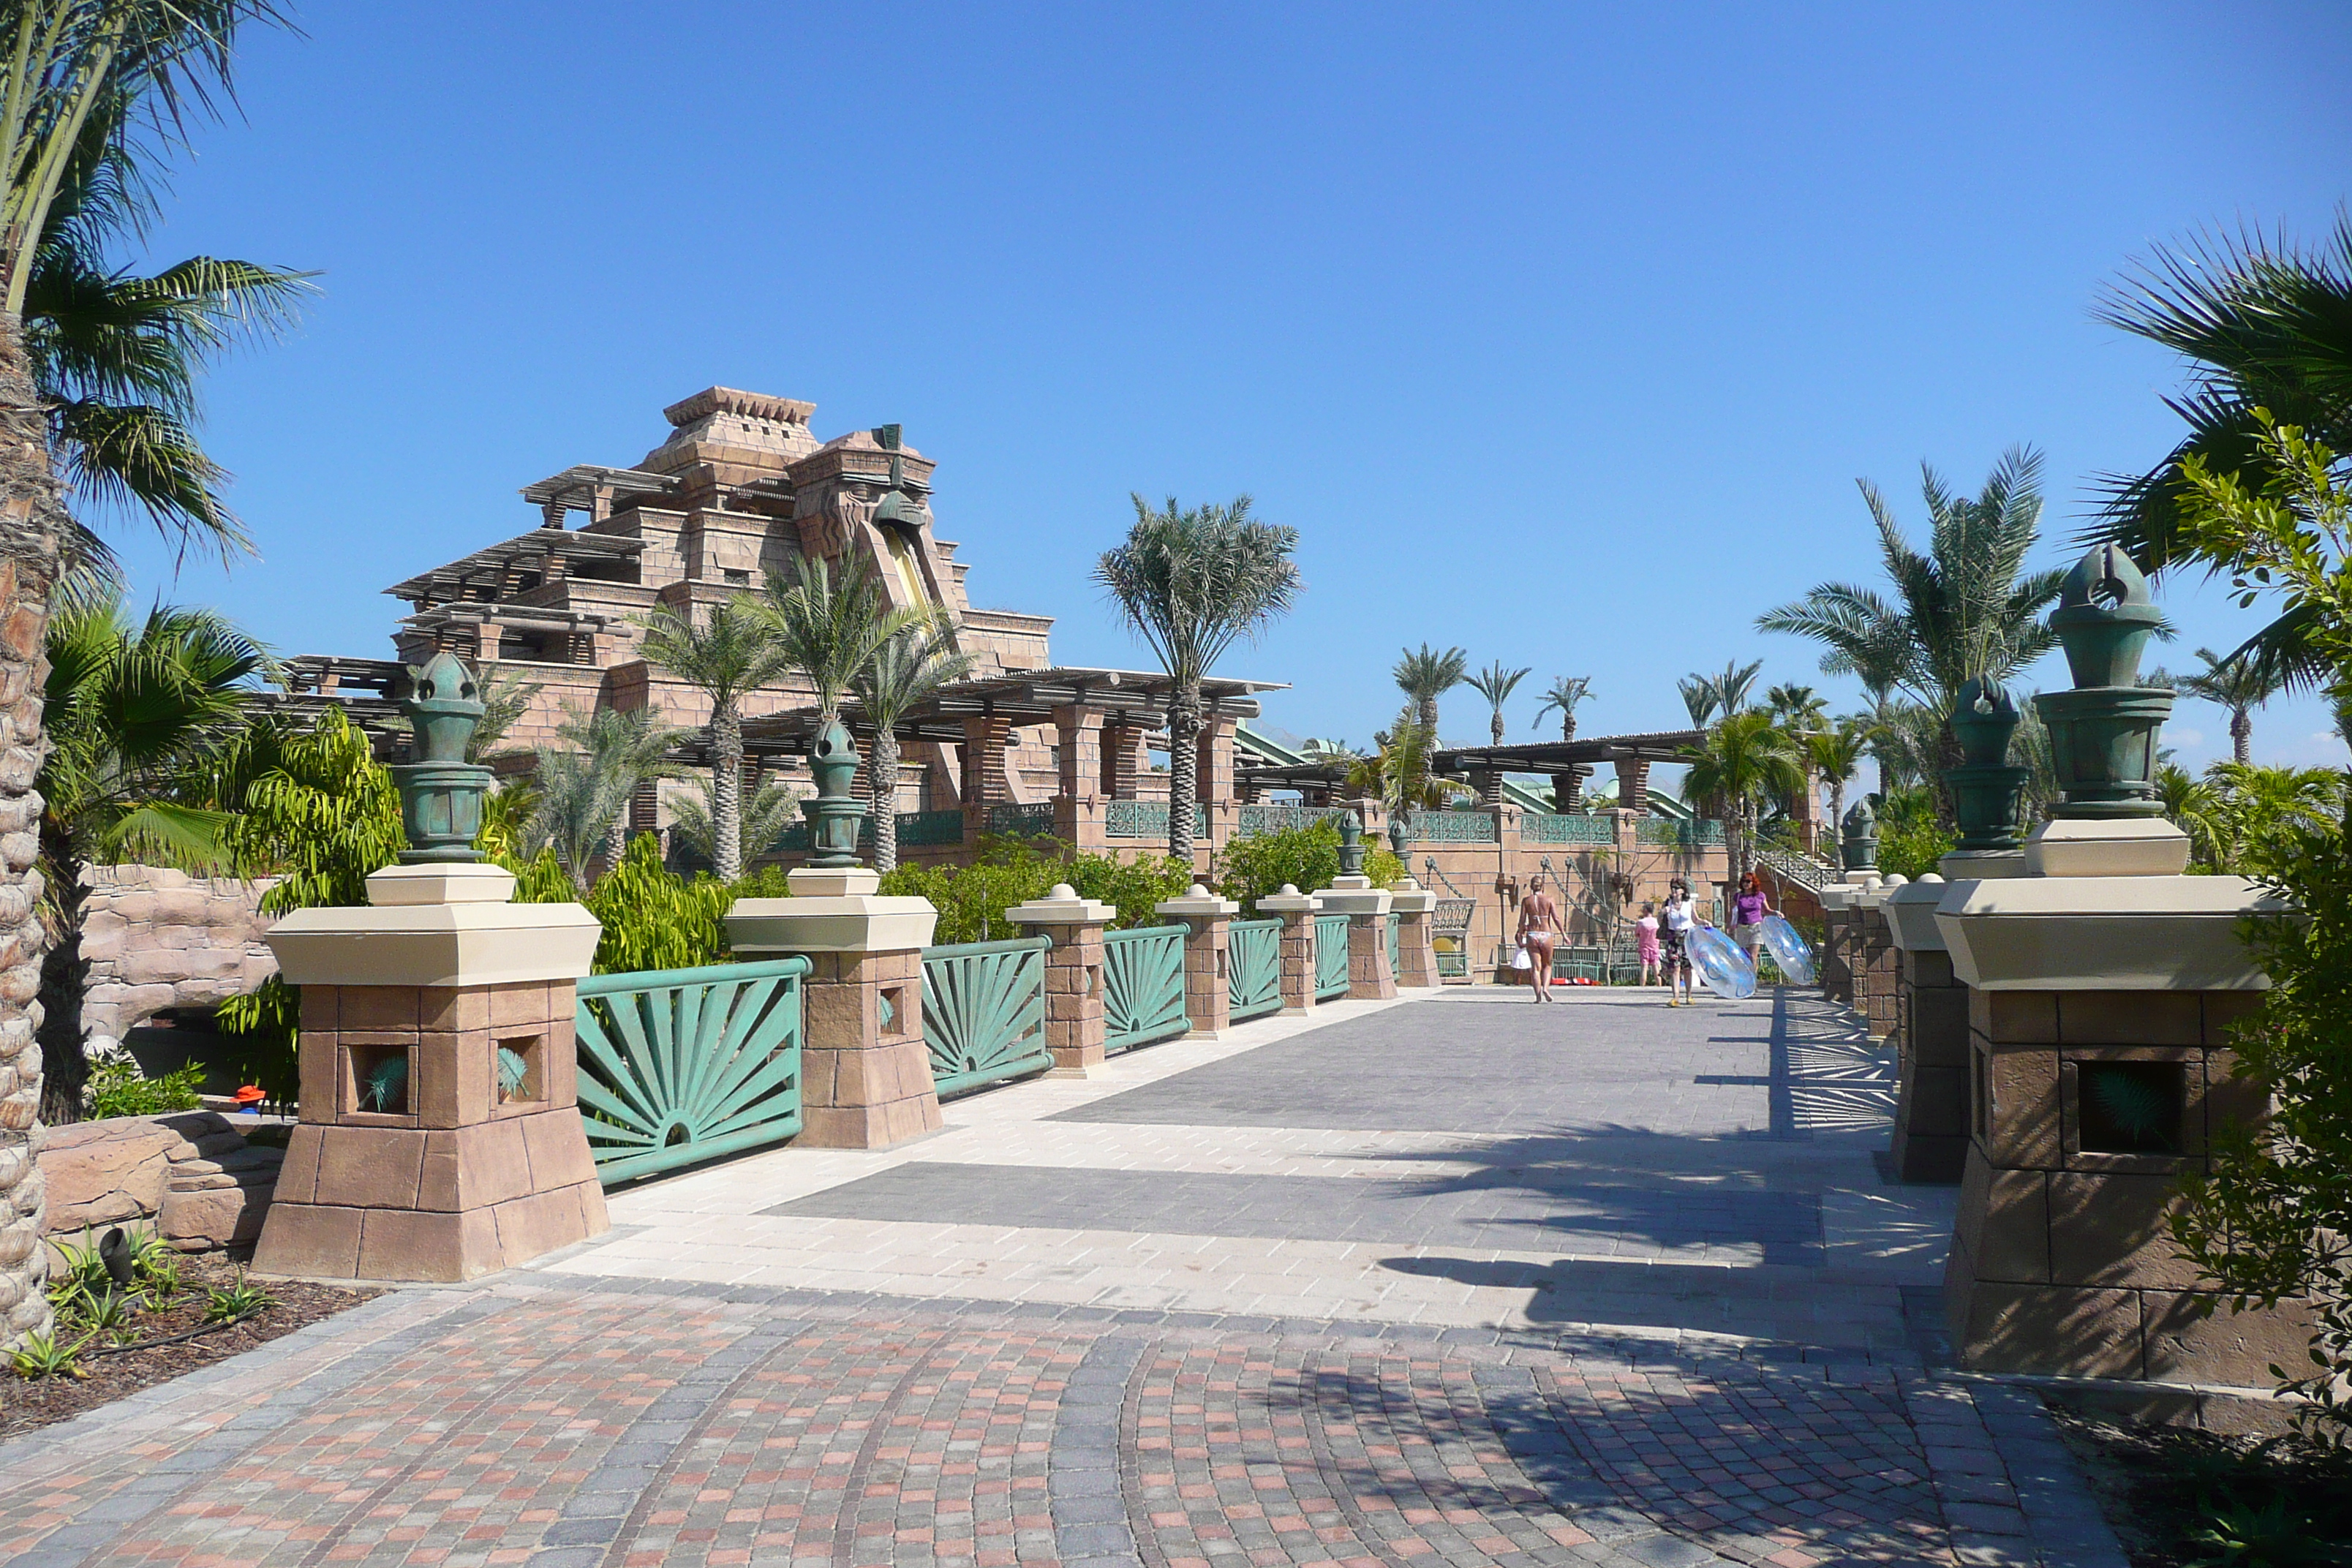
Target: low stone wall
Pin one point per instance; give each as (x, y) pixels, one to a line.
(189, 1174)
(155, 937)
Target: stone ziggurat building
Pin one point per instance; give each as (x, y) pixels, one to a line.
(740, 489)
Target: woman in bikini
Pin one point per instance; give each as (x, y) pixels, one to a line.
(1538, 933)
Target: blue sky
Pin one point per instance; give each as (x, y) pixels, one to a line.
(1560, 333)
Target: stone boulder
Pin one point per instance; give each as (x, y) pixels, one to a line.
(190, 1173)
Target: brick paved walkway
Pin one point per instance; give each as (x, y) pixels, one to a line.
(1444, 1281)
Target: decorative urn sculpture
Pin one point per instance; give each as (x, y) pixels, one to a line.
(441, 792)
(1352, 844)
(1987, 793)
(1858, 847)
(1399, 836)
(2102, 733)
(835, 813)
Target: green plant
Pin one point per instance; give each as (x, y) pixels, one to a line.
(905, 672)
(2240, 683)
(1192, 582)
(1742, 759)
(157, 1265)
(728, 652)
(2271, 1217)
(1911, 837)
(585, 783)
(119, 1088)
(1496, 684)
(655, 919)
(773, 807)
(1304, 858)
(236, 1302)
(40, 1356)
(972, 900)
(109, 1311)
(1564, 693)
(2272, 1531)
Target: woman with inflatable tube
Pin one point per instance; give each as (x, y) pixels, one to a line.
(1749, 908)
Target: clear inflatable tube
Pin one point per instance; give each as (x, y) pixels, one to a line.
(1788, 950)
(1716, 960)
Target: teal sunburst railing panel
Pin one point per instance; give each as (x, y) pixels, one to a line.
(1254, 968)
(1330, 956)
(1143, 986)
(681, 1065)
(1394, 944)
(984, 1011)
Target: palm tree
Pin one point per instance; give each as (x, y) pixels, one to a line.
(1192, 582)
(585, 784)
(1426, 675)
(150, 66)
(1836, 752)
(1564, 693)
(134, 715)
(731, 652)
(1732, 687)
(1496, 684)
(1965, 608)
(1699, 699)
(506, 697)
(1799, 710)
(904, 673)
(770, 811)
(2240, 683)
(1743, 758)
(2264, 324)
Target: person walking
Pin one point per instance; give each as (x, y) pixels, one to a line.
(1539, 930)
(1749, 908)
(1645, 943)
(1674, 923)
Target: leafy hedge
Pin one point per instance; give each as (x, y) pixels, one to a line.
(972, 900)
(1304, 858)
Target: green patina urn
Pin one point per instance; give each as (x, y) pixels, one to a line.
(1988, 794)
(441, 792)
(1858, 840)
(1400, 837)
(2102, 733)
(834, 816)
(1352, 844)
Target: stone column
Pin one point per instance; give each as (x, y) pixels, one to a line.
(1878, 961)
(1074, 975)
(1214, 775)
(1077, 813)
(983, 762)
(865, 1072)
(419, 1156)
(1634, 785)
(1366, 909)
(1412, 908)
(1296, 911)
(1931, 1095)
(1208, 991)
(2101, 996)
(1122, 745)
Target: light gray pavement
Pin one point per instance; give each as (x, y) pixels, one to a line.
(1455, 1279)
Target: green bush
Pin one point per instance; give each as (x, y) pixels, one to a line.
(1911, 839)
(1304, 858)
(972, 900)
(120, 1088)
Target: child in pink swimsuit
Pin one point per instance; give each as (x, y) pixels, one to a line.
(1645, 943)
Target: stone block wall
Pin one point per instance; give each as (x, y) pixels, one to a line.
(1931, 1105)
(190, 1175)
(2062, 1262)
(155, 937)
(1839, 929)
(1876, 970)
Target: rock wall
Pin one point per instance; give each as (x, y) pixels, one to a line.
(155, 937)
(189, 1174)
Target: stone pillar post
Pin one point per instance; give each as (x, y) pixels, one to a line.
(1074, 975)
(865, 1072)
(1207, 990)
(440, 1137)
(1412, 908)
(1214, 773)
(2101, 995)
(1366, 909)
(983, 762)
(1877, 967)
(1634, 784)
(1077, 814)
(1297, 910)
(1568, 790)
(1122, 745)
(1931, 1095)
(1488, 784)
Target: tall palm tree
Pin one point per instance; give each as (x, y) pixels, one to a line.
(134, 713)
(904, 673)
(1565, 693)
(2263, 324)
(1427, 674)
(1799, 710)
(1699, 699)
(585, 783)
(730, 652)
(1743, 758)
(771, 809)
(1835, 752)
(1496, 684)
(1964, 609)
(1191, 582)
(1732, 687)
(2241, 683)
(153, 67)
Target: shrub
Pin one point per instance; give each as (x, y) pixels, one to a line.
(1306, 857)
(972, 900)
(119, 1088)
(1911, 838)
(655, 919)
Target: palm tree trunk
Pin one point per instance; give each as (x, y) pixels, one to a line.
(64, 1066)
(1183, 768)
(1496, 727)
(2241, 735)
(727, 791)
(31, 522)
(883, 767)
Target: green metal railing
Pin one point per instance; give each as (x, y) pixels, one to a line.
(1033, 821)
(1147, 819)
(1661, 831)
(680, 1065)
(1254, 968)
(1395, 940)
(1455, 827)
(1330, 956)
(984, 1011)
(1450, 935)
(1143, 986)
(1538, 828)
(916, 829)
(1281, 818)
